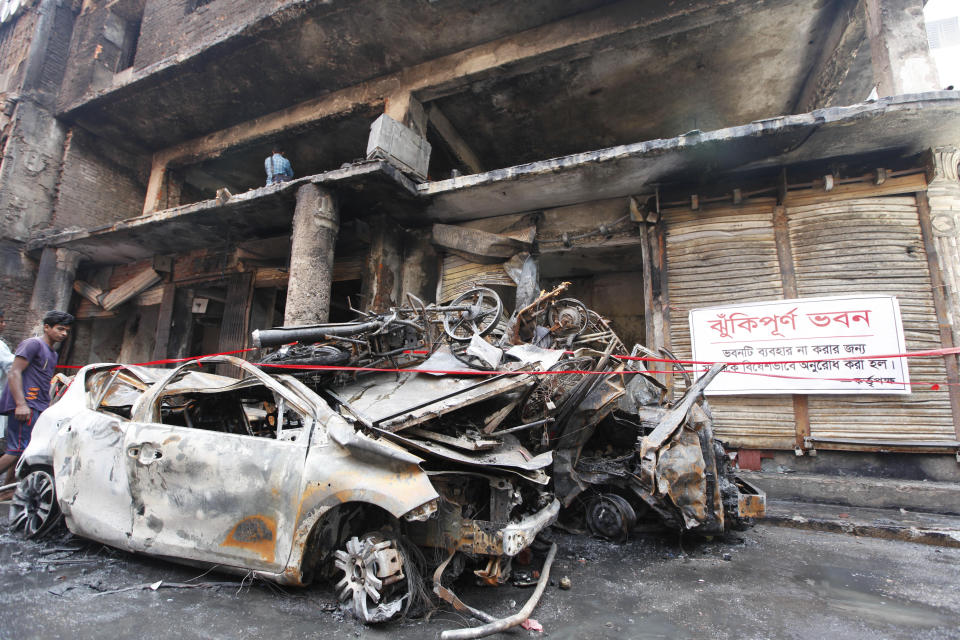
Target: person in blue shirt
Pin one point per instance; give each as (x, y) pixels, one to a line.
(278, 167)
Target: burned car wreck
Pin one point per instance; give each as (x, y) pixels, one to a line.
(386, 455)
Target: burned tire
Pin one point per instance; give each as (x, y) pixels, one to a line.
(610, 516)
(374, 585)
(34, 509)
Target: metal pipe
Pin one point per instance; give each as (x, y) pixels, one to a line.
(510, 621)
(522, 427)
(449, 596)
(315, 333)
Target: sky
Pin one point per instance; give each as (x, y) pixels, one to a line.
(948, 57)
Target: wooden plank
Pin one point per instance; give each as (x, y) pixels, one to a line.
(454, 140)
(271, 277)
(88, 291)
(647, 270)
(164, 321)
(140, 282)
(788, 274)
(892, 186)
(150, 297)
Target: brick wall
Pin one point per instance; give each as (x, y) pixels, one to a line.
(83, 56)
(16, 286)
(14, 43)
(167, 28)
(55, 54)
(170, 26)
(99, 184)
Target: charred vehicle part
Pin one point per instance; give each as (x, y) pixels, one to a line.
(622, 453)
(260, 475)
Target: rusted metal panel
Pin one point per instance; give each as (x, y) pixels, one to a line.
(752, 502)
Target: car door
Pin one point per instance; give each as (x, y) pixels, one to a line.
(88, 457)
(216, 497)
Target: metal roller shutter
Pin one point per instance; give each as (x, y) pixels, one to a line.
(725, 256)
(874, 245)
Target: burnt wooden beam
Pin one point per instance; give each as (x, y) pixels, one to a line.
(382, 273)
(132, 287)
(788, 276)
(458, 146)
(88, 291)
(164, 322)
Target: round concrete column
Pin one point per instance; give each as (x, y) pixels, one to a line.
(316, 222)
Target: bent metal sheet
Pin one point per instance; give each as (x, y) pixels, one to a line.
(804, 346)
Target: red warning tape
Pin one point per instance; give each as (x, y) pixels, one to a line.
(166, 361)
(473, 372)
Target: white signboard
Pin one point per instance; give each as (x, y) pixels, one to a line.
(809, 345)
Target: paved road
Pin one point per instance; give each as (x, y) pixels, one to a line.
(778, 583)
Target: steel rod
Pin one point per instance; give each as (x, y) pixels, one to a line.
(511, 621)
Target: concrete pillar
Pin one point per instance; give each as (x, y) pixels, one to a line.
(899, 51)
(55, 276)
(380, 289)
(943, 194)
(316, 222)
(420, 267)
(529, 286)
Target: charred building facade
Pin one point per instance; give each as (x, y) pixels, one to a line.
(660, 156)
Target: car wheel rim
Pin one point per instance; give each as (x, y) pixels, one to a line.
(33, 507)
(373, 585)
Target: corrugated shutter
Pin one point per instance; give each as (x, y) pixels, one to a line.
(874, 245)
(726, 256)
(459, 276)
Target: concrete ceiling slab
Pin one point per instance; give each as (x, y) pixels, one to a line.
(685, 64)
(900, 126)
(260, 213)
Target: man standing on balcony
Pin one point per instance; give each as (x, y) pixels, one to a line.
(278, 167)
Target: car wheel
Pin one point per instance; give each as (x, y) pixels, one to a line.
(374, 586)
(34, 507)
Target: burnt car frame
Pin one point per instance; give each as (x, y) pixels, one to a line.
(259, 475)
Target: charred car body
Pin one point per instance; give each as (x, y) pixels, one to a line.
(380, 452)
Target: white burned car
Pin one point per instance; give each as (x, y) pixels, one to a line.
(260, 474)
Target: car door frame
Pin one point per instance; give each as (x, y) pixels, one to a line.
(212, 496)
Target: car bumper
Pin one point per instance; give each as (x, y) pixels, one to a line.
(494, 539)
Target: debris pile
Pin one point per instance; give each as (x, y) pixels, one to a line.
(388, 455)
(551, 393)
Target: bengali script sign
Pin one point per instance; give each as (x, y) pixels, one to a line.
(808, 345)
